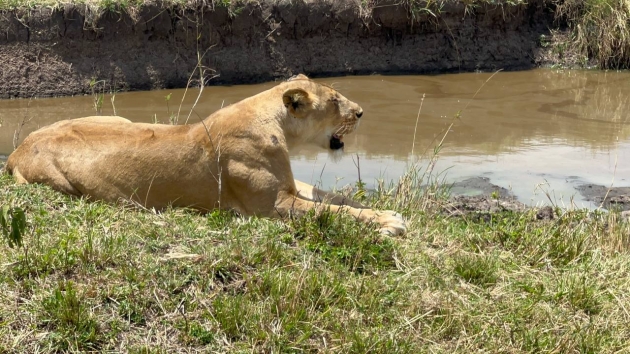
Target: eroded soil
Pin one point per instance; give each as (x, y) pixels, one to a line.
(76, 50)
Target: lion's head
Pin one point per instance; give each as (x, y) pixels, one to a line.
(319, 112)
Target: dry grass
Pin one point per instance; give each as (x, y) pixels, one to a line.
(415, 8)
(600, 30)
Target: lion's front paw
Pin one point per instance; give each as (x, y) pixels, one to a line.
(392, 223)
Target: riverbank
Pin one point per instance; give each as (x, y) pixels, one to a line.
(72, 48)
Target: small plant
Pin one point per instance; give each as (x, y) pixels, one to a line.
(196, 333)
(172, 118)
(360, 194)
(68, 316)
(581, 294)
(418, 8)
(232, 313)
(234, 7)
(97, 96)
(476, 269)
(13, 224)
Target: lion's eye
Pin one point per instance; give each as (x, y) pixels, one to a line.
(334, 100)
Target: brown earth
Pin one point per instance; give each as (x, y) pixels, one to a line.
(46, 52)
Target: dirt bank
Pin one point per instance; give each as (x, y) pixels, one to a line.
(51, 52)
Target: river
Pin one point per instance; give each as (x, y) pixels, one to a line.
(538, 133)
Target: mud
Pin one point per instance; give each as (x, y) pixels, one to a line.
(477, 196)
(478, 199)
(612, 198)
(46, 52)
(479, 186)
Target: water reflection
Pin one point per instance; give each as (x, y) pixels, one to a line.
(545, 128)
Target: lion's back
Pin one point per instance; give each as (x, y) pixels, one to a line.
(53, 146)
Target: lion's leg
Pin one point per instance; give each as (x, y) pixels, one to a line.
(314, 194)
(60, 183)
(53, 178)
(391, 222)
(19, 179)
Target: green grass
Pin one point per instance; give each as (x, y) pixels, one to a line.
(95, 277)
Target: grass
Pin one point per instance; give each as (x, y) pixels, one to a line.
(415, 8)
(88, 276)
(120, 5)
(95, 277)
(599, 29)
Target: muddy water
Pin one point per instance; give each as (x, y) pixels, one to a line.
(538, 133)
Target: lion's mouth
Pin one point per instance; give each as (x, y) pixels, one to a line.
(335, 142)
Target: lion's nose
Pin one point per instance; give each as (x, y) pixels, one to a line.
(359, 113)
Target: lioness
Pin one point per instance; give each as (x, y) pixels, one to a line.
(237, 158)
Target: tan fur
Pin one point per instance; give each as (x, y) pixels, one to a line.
(237, 158)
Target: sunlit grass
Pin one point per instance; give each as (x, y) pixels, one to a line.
(96, 277)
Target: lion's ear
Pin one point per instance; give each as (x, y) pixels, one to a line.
(298, 77)
(297, 102)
